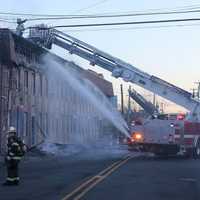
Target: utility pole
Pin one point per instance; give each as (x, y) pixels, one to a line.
(154, 99)
(122, 100)
(129, 106)
(162, 107)
(194, 92)
(198, 89)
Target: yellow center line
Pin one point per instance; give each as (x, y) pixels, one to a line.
(99, 180)
(78, 188)
(92, 182)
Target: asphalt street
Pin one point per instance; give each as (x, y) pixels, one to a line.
(52, 177)
(146, 178)
(140, 178)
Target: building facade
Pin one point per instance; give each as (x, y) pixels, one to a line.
(43, 106)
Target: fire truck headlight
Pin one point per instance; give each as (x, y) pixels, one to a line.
(138, 136)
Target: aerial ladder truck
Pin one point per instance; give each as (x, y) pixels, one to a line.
(181, 136)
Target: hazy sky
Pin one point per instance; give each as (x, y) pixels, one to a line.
(171, 53)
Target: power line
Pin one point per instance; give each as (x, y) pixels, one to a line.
(192, 6)
(101, 14)
(121, 23)
(92, 5)
(51, 15)
(133, 28)
(112, 16)
(3, 20)
(62, 17)
(115, 16)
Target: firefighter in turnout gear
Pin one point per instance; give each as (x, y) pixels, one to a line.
(14, 154)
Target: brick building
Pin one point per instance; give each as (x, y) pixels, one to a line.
(39, 105)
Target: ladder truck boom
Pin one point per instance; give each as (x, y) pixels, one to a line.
(119, 69)
(146, 105)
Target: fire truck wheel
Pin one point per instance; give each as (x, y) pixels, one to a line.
(196, 153)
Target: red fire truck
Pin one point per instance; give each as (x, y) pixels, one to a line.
(166, 134)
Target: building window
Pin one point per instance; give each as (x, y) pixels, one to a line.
(33, 130)
(33, 84)
(41, 86)
(46, 87)
(26, 79)
(20, 123)
(17, 120)
(19, 79)
(57, 126)
(40, 122)
(5, 79)
(54, 125)
(25, 124)
(46, 124)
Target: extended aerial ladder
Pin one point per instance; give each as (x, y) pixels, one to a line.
(46, 37)
(146, 105)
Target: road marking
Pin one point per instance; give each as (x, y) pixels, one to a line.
(85, 187)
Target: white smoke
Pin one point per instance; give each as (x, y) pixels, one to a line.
(88, 91)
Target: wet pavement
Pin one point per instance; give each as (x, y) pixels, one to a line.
(143, 177)
(52, 177)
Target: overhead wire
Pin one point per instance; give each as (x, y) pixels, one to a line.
(176, 9)
(133, 28)
(181, 8)
(120, 23)
(4, 20)
(91, 6)
(114, 16)
(94, 16)
(50, 15)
